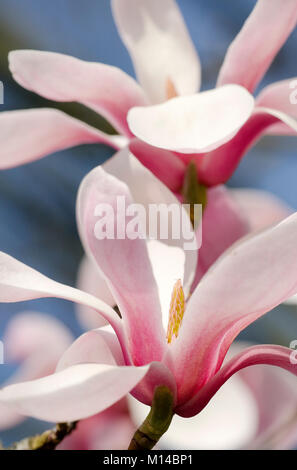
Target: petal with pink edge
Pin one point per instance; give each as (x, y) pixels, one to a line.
(197, 123)
(217, 167)
(263, 34)
(164, 57)
(251, 278)
(74, 393)
(263, 354)
(29, 135)
(60, 77)
(281, 96)
(228, 422)
(123, 260)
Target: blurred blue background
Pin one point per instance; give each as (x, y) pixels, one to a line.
(37, 200)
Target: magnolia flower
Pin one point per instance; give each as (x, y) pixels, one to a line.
(163, 118)
(230, 214)
(183, 351)
(36, 341)
(253, 410)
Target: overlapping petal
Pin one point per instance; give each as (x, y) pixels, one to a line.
(36, 340)
(263, 354)
(165, 165)
(197, 123)
(157, 39)
(250, 279)
(19, 282)
(74, 393)
(90, 280)
(217, 167)
(148, 191)
(60, 77)
(223, 224)
(124, 262)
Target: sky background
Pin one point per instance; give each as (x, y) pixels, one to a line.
(37, 201)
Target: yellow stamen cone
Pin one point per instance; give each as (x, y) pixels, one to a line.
(176, 312)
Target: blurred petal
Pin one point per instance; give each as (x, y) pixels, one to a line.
(228, 422)
(90, 280)
(261, 208)
(274, 390)
(60, 77)
(196, 123)
(74, 393)
(252, 278)
(28, 135)
(263, 34)
(263, 354)
(222, 225)
(157, 39)
(37, 340)
(165, 165)
(124, 262)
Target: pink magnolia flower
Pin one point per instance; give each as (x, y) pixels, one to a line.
(230, 214)
(101, 367)
(222, 122)
(36, 340)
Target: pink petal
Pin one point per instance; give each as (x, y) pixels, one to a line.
(264, 354)
(74, 393)
(169, 258)
(263, 34)
(157, 39)
(228, 422)
(196, 123)
(37, 340)
(28, 135)
(125, 264)
(59, 77)
(280, 96)
(88, 348)
(261, 208)
(222, 225)
(252, 278)
(19, 282)
(91, 281)
(110, 430)
(217, 167)
(165, 165)
(274, 391)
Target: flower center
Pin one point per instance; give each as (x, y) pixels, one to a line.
(170, 89)
(176, 312)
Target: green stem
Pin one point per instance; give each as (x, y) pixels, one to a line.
(157, 421)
